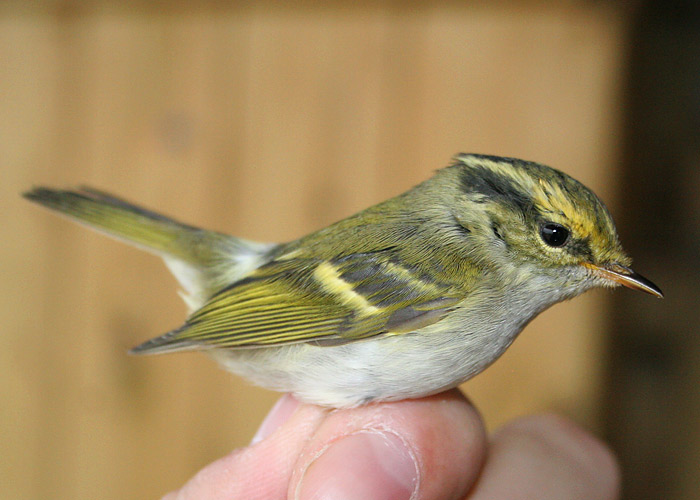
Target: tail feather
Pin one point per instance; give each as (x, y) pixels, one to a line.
(202, 261)
(120, 219)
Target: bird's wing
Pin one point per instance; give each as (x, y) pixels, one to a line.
(328, 302)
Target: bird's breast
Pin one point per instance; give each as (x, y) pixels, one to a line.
(392, 367)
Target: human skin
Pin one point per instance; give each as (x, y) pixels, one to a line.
(434, 448)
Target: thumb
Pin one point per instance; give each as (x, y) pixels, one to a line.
(430, 448)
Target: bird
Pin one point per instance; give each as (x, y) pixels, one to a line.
(405, 299)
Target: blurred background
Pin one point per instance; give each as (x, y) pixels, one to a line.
(270, 121)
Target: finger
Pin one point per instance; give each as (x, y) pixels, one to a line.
(263, 470)
(431, 448)
(547, 458)
(277, 416)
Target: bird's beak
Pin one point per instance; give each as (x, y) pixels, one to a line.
(626, 277)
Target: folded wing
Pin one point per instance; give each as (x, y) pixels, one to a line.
(302, 299)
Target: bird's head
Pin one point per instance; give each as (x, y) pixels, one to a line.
(543, 222)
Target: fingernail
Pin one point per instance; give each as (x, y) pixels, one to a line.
(363, 466)
(279, 414)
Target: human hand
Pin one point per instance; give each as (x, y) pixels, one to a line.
(434, 448)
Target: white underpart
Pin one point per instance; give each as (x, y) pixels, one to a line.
(430, 360)
(189, 279)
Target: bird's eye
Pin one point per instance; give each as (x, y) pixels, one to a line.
(554, 235)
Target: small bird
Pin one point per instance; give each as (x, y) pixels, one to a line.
(407, 298)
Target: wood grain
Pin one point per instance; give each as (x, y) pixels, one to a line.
(265, 122)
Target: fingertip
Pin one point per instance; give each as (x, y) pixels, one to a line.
(278, 415)
(592, 458)
(263, 470)
(548, 457)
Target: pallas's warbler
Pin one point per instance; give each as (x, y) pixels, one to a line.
(407, 298)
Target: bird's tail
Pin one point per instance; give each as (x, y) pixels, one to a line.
(203, 261)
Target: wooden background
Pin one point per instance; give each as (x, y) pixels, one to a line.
(265, 122)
